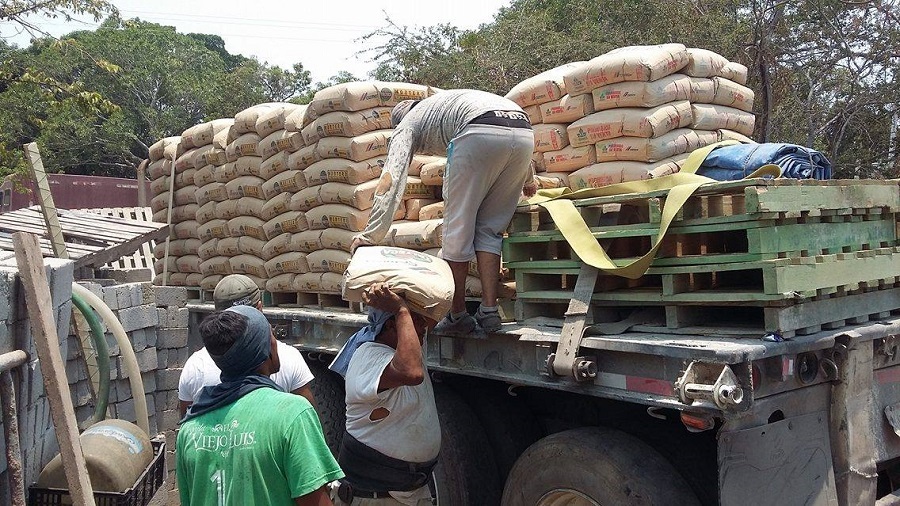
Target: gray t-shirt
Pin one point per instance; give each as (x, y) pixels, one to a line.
(427, 129)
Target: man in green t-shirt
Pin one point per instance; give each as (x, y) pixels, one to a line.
(245, 442)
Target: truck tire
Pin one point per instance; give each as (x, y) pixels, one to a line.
(328, 389)
(466, 474)
(594, 466)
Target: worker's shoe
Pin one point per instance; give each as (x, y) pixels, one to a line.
(456, 326)
(488, 320)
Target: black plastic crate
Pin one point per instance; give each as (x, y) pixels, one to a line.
(139, 495)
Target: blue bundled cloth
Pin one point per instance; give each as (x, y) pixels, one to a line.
(377, 319)
(728, 163)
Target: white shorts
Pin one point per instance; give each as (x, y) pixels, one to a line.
(487, 166)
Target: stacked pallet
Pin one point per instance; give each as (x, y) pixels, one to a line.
(781, 256)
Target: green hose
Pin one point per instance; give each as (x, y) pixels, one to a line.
(102, 354)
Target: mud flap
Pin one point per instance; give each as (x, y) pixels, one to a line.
(785, 462)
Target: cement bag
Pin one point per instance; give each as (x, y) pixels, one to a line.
(569, 158)
(228, 247)
(704, 63)
(642, 94)
(550, 137)
(273, 119)
(392, 93)
(736, 72)
(359, 148)
(416, 189)
(247, 166)
(207, 250)
(248, 264)
(431, 212)
(216, 265)
(213, 229)
(161, 216)
(633, 122)
(294, 121)
(310, 134)
(413, 206)
(185, 161)
(173, 150)
(204, 175)
(245, 145)
(275, 206)
(351, 124)
(328, 260)
(504, 290)
(280, 283)
(353, 96)
(287, 263)
(432, 174)
(416, 234)
(548, 180)
(337, 216)
(534, 114)
(303, 158)
(337, 239)
(607, 173)
(542, 88)
(311, 282)
(161, 265)
(289, 181)
(359, 196)
(245, 121)
(631, 63)
(715, 117)
(676, 142)
(209, 282)
(185, 212)
(339, 170)
(201, 156)
(419, 161)
(425, 281)
(185, 178)
(276, 246)
(215, 156)
(247, 225)
(567, 109)
(275, 164)
(730, 135)
(160, 185)
(251, 246)
(211, 192)
(245, 186)
(160, 202)
(291, 221)
(537, 162)
(306, 199)
(203, 134)
(278, 141)
(224, 210)
(250, 206)
(310, 240)
(186, 229)
(332, 282)
(157, 149)
(703, 90)
(158, 169)
(180, 247)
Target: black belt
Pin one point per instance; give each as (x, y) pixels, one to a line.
(511, 119)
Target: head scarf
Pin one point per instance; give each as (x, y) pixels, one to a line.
(377, 319)
(238, 365)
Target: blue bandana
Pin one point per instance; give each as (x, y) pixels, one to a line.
(377, 319)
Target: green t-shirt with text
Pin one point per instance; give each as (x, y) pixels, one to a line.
(264, 449)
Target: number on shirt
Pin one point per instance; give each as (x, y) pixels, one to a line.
(218, 478)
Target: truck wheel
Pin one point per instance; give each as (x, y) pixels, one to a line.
(594, 466)
(466, 472)
(328, 389)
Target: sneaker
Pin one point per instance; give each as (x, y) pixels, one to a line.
(489, 321)
(461, 327)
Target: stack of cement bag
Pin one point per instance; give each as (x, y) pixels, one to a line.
(720, 101)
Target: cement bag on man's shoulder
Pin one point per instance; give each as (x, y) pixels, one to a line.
(425, 281)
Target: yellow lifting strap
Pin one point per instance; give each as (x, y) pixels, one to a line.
(681, 185)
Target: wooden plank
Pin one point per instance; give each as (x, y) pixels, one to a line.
(39, 304)
(84, 232)
(106, 255)
(815, 237)
(142, 183)
(830, 310)
(45, 197)
(786, 198)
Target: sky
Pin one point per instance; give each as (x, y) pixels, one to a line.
(321, 35)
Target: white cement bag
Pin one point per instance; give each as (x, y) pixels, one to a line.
(339, 170)
(248, 264)
(413, 206)
(281, 283)
(310, 134)
(537, 161)
(568, 109)
(359, 148)
(550, 137)
(703, 90)
(736, 72)
(417, 235)
(632, 122)
(542, 88)
(209, 282)
(715, 117)
(287, 263)
(173, 150)
(432, 212)
(425, 281)
(631, 63)
(203, 134)
(310, 240)
(247, 225)
(275, 206)
(351, 124)
(432, 174)
(185, 161)
(184, 179)
(160, 202)
(273, 119)
(160, 185)
(642, 94)
(250, 206)
(360, 196)
(357, 96)
(337, 238)
(289, 222)
(290, 181)
(569, 158)
(159, 168)
(607, 173)
(276, 246)
(245, 186)
(704, 63)
(185, 212)
(295, 121)
(228, 247)
(306, 199)
(328, 260)
(676, 142)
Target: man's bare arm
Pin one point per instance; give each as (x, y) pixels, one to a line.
(317, 498)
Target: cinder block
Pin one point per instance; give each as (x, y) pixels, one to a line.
(150, 336)
(168, 420)
(111, 297)
(138, 317)
(75, 371)
(125, 411)
(151, 404)
(81, 393)
(173, 317)
(138, 339)
(120, 390)
(172, 338)
(95, 288)
(112, 344)
(178, 357)
(149, 380)
(170, 296)
(162, 359)
(146, 359)
(167, 379)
